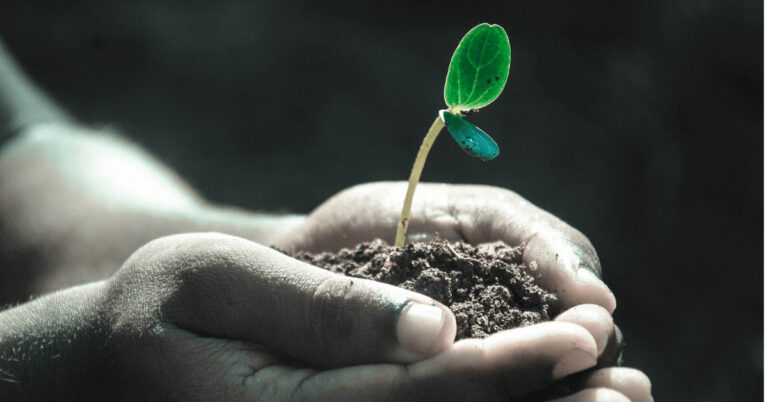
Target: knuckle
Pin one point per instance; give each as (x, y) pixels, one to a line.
(488, 190)
(179, 253)
(359, 190)
(139, 292)
(330, 318)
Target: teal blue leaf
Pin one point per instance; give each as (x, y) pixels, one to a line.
(470, 138)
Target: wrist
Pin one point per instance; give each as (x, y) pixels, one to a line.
(52, 347)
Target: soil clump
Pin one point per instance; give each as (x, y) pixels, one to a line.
(488, 288)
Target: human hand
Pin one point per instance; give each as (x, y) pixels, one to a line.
(567, 262)
(215, 317)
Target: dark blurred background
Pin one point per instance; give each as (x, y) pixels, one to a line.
(639, 123)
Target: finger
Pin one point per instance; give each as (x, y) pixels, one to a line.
(229, 287)
(593, 318)
(503, 366)
(633, 383)
(221, 369)
(600, 324)
(595, 395)
(562, 270)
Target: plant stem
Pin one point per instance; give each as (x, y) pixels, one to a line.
(418, 166)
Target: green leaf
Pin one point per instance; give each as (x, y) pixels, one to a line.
(479, 68)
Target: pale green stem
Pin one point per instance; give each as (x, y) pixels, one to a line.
(418, 166)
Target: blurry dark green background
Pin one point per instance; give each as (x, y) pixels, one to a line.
(639, 123)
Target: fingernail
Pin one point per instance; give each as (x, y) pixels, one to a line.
(585, 260)
(586, 275)
(575, 361)
(572, 257)
(418, 326)
(570, 253)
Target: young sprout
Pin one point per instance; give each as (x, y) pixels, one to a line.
(476, 76)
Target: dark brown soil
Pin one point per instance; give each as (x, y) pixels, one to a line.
(487, 287)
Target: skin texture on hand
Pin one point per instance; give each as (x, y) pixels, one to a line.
(215, 317)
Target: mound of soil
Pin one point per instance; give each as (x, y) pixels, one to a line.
(488, 288)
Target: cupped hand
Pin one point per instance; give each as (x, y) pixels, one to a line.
(566, 261)
(216, 317)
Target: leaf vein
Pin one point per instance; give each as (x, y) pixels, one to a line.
(477, 69)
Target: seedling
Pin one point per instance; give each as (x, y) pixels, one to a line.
(476, 76)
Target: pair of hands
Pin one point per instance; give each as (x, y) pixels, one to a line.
(210, 316)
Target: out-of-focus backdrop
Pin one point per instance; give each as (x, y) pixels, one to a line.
(638, 122)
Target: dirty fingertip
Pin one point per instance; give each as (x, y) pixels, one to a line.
(573, 279)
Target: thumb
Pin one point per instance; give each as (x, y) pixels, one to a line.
(234, 288)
